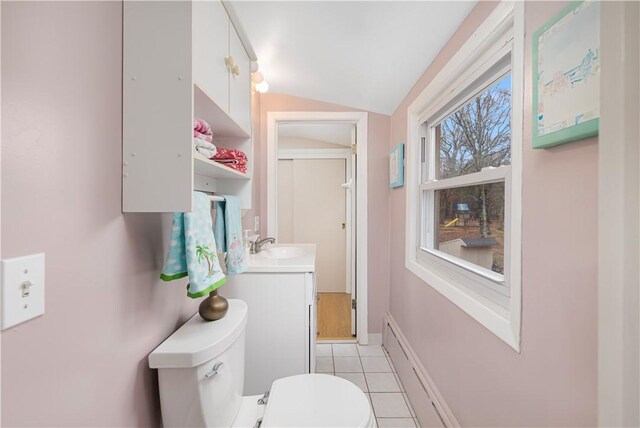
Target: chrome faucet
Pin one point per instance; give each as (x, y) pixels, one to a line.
(256, 246)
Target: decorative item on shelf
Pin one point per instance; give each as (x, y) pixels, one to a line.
(566, 76)
(213, 307)
(396, 166)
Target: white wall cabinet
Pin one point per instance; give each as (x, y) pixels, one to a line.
(240, 82)
(281, 328)
(174, 70)
(211, 28)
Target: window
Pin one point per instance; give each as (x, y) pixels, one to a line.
(465, 158)
(464, 176)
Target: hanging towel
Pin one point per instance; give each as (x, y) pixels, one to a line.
(192, 251)
(228, 233)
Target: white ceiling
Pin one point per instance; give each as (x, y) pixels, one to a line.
(362, 54)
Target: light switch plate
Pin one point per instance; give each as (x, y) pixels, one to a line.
(22, 289)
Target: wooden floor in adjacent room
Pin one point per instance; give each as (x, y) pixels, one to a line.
(334, 316)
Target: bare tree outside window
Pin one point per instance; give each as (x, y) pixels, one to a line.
(476, 136)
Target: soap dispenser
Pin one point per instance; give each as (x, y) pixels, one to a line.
(246, 241)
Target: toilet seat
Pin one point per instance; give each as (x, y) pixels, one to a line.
(317, 400)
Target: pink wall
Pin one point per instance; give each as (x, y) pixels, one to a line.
(378, 191)
(84, 363)
(552, 382)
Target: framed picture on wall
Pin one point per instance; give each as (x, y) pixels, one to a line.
(566, 76)
(396, 166)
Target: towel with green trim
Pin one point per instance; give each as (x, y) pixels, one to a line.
(192, 250)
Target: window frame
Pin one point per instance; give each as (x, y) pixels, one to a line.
(493, 302)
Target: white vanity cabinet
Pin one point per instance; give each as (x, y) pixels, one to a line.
(281, 327)
(183, 59)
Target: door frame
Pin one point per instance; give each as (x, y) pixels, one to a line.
(344, 154)
(359, 119)
(618, 220)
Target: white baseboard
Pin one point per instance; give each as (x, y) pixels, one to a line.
(374, 339)
(419, 386)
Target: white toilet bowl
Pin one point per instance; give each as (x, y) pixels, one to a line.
(201, 378)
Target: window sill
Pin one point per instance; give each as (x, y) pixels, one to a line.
(493, 317)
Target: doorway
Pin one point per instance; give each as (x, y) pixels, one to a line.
(316, 193)
(315, 201)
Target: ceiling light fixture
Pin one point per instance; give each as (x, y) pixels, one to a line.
(257, 79)
(262, 87)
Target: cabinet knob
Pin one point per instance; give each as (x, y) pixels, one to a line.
(229, 62)
(235, 70)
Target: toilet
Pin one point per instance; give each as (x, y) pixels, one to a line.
(201, 381)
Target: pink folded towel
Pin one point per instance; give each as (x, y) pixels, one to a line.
(202, 130)
(233, 158)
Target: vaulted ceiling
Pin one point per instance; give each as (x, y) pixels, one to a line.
(362, 54)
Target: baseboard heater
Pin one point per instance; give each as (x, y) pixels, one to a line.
(431, 409)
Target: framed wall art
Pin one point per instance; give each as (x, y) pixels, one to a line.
(566, 76)
(396, 166)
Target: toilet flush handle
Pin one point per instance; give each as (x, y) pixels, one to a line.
(217, 368)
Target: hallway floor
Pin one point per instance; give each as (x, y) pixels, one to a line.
(334, 316)
(370, 368)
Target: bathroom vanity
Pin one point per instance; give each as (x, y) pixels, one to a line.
(279, 289)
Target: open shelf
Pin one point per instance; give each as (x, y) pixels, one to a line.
(221, 123)
(209, 168)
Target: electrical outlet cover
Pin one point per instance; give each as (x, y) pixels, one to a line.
(22, 289)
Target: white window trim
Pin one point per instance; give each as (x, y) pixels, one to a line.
(504, 23)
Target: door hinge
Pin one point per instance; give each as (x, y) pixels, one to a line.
(354, 304)
(354, 149)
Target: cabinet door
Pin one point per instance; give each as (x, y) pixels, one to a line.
(240, 90)
(157, 101)
(210, 48)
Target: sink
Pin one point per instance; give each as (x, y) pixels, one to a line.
(282, 252)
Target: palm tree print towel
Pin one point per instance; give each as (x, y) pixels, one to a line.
(192, 250)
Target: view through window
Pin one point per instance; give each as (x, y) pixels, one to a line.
(470, 220)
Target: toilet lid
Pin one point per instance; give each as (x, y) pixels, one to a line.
(316, 400)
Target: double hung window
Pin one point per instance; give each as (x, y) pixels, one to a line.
(464, 176)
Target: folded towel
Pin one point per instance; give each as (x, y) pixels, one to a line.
(225, 154)
(233, 163)
(228, 234)
(202, 130)
(205, 148)
(232, 158)
(192, 250)
(204, 144)
(202, 137)
(206, 152)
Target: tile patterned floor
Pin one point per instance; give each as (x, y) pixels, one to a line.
(370, 368)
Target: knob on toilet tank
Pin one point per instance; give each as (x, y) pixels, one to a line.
(217, 369)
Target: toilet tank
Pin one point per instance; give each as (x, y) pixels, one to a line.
(191, 394)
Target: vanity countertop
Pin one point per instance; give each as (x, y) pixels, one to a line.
(284, 258)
